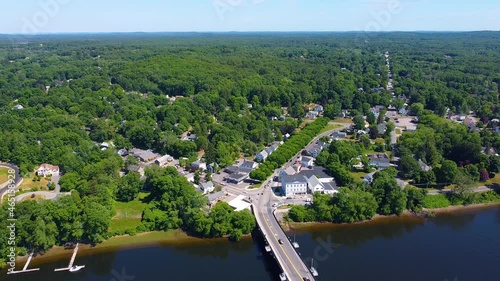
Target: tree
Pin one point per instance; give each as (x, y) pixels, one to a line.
(359, 122)
(463, 190)
(408, 167)
(447, 173)
(427, 178)
(365, 140)
(96, 219)
(370, 118)
(373, 132)
(483, 175)
(128, 187)
(353, 205)
(390, 197)
(197, 177)
(417, 109)
(415, 199)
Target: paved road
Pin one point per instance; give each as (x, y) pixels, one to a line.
(476, 190)
(46, 194)
(17, 179)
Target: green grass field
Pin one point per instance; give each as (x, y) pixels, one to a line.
(4, 175)
(330, 127)
(128, 215)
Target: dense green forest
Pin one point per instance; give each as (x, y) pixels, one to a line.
(230, 90)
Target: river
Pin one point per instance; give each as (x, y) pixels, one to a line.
(462, 246)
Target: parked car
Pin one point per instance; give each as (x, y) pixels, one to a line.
(280, 241)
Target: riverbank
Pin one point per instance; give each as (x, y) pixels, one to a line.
(406, 216)
(171, 237)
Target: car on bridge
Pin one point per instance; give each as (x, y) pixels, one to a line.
(280, 241)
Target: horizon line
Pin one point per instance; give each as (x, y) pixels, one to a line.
(237, 31)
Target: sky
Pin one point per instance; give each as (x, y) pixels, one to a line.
(68, 16)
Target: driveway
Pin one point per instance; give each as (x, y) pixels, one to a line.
(46, 194)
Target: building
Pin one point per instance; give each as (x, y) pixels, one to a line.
(380, 160)
(207, 187)
(213, 198)
(293, 185)
(136, 168)
(319, 172)
(237, 178)
(307, 161)
(339, 135)
(164, 160)
(47, 170)
(262, 156)
(144, 155)
(249, 165)
(105, 146)
(315, 150)
(240, 203)
(312, 114)
(190, 137)
(18, 107)
(123, 152)
(319, 108)
(198, 165)
(382, 128)
(314, 185)
(424, 166)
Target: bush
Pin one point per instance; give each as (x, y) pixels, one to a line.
(436, 201)
(131, 231)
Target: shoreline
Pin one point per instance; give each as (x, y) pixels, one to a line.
(123, 242)
(407, 215)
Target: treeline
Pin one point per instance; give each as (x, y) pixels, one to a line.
(174, 204)
(448, 153)
(289, 149)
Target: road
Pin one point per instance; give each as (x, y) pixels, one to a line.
(17, 179)
(478, 189)
(263, 200)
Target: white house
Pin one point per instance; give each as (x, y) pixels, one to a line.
(47, 170)
(307, 161)
(262, 156)
(199, 165)
(164, 160)
(207, 187)
(293, 185)
(18, 107)
(314, 185)
(249, 165)
(319, 108)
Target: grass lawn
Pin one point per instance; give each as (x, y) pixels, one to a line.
(492, 181)
(37, 197)
(144, 238)
(255, 186)
(4, 175)
(128, 215)
(358, 175)
(330, 126)
(343, 121)
(28, 184)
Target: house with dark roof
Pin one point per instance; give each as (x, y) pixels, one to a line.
(249, 165)
(380, 160)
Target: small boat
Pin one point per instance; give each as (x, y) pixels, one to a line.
(76, 268)
(283, 276)
(313, 270)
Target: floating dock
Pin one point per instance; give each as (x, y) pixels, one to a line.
(25, 268)
(75, 251)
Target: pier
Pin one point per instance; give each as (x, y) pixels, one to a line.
(75, 251)
(25, 268)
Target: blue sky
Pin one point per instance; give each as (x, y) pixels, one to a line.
(55, 16)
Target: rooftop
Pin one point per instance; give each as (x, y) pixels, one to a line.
(319, 172)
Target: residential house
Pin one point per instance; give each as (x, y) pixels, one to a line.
(262, 156)
(190, 137)
(330, 188)
(249, 165)
(207, 187)
(137, 169)
(105, 146)
(339, 135)
(48, 170)
(213, 198)
(18, 107)
(164, 160)
(424, 166)
(368, 179)
(380, 160)
(382, 128)
(318, 172)
(144, 155)
(319, 108)
(312, 114)
(315, 150)
(198, 165)
(123, 152)
(314, 185)
(307, 161)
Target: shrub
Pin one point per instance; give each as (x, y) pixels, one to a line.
(436, 201)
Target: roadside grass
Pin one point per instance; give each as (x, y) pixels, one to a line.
(37, 197)
(436, 201)
(128, 215)
(255, 186)
(4, 175)
(343, 121)
(358, 175)
(330, 126)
